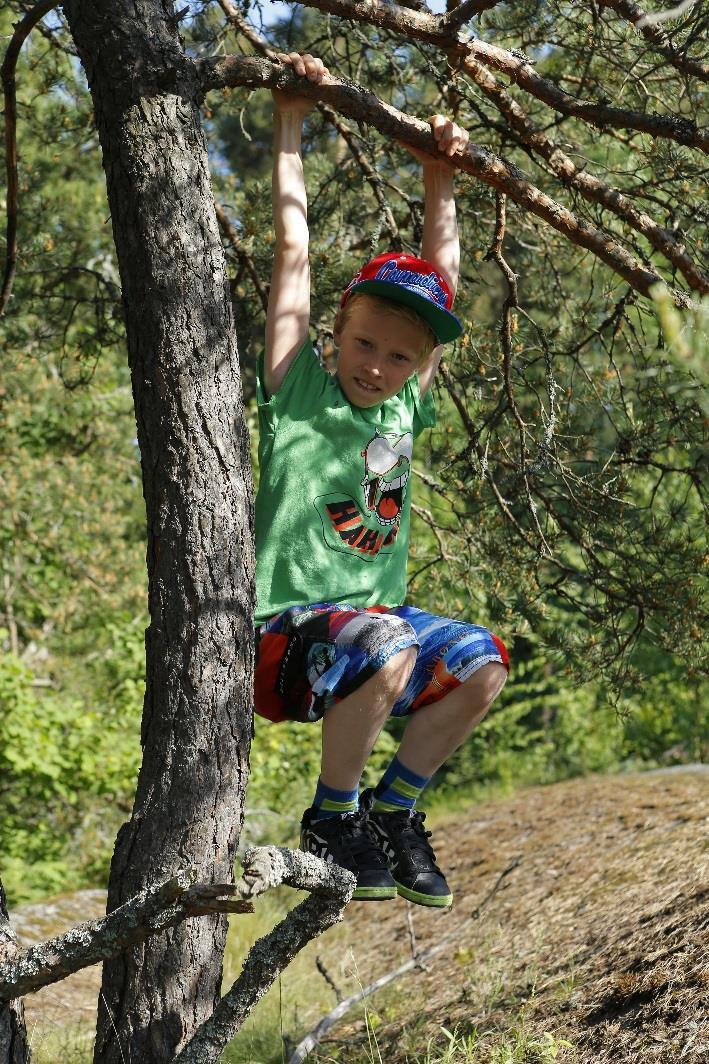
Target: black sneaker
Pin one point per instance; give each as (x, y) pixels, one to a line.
(344, 840)
(412, 861)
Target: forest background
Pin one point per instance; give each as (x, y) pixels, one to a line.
(559, 500)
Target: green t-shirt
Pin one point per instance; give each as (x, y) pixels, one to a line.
(334, 496)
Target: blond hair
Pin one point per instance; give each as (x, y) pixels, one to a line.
(428, 337)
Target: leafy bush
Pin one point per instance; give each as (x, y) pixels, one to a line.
(66, 775)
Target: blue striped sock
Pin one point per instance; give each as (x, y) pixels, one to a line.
(398, 789)
(329, 802)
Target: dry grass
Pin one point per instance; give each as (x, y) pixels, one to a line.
(599, 937)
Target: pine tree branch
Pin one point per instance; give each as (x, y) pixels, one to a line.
(230, 234)
(590, 187)
(237, 20)
(356, 102)
(441, 31)
(7, 76)
(657, 37)
(468, 9)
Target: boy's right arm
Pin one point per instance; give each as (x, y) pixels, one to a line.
(288, 315)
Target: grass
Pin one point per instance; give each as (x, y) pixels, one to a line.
(301, 996)
(496, 1018)
(72, 1044)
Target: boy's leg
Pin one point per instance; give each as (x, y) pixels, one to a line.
(433, 732)
(350, 728)
(331, 828)
(349, 732)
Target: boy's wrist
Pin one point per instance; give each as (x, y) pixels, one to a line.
(438, 171)
(289, 116)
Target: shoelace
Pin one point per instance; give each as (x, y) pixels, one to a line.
(361, 843)
(418, 837)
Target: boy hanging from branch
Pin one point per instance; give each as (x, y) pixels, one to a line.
(334, 641)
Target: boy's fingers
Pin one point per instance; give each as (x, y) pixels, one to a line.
(312, 66)
(449, 136)
(305, 65)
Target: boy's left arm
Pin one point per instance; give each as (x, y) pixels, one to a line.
(440, 244)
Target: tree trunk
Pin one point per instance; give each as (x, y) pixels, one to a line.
(14, 1048)
(197, 486)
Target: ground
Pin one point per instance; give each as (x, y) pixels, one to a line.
(599, 935)
(581, 915)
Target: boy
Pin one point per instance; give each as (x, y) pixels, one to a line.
(334, 642)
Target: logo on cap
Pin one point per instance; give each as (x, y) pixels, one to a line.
(427, 286)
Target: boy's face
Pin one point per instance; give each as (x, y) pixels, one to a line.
(378, 353)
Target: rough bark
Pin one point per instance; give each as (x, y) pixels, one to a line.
(197, 487)
(14, 1048)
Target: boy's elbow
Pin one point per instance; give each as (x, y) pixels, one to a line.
(291, 246)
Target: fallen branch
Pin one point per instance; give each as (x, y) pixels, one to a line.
(314, 1037)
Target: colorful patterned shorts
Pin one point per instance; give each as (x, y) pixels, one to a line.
(310, 657)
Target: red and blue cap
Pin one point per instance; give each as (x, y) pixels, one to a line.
(414, 282)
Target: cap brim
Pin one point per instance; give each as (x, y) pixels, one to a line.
(445, 325)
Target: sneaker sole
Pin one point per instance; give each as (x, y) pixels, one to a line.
(374, 893)
(437, 901)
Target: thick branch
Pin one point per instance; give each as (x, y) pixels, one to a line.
(7, 75)
(358, 103)
(330, 887)
(144, 915)
(657, 37)
(441, 32)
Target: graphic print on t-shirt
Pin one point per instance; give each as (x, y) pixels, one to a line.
(369, 526)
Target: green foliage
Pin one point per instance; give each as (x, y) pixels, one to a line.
(61, 770)
(581, 546)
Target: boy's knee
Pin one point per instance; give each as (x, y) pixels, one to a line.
(395, 674)
(488, 682)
